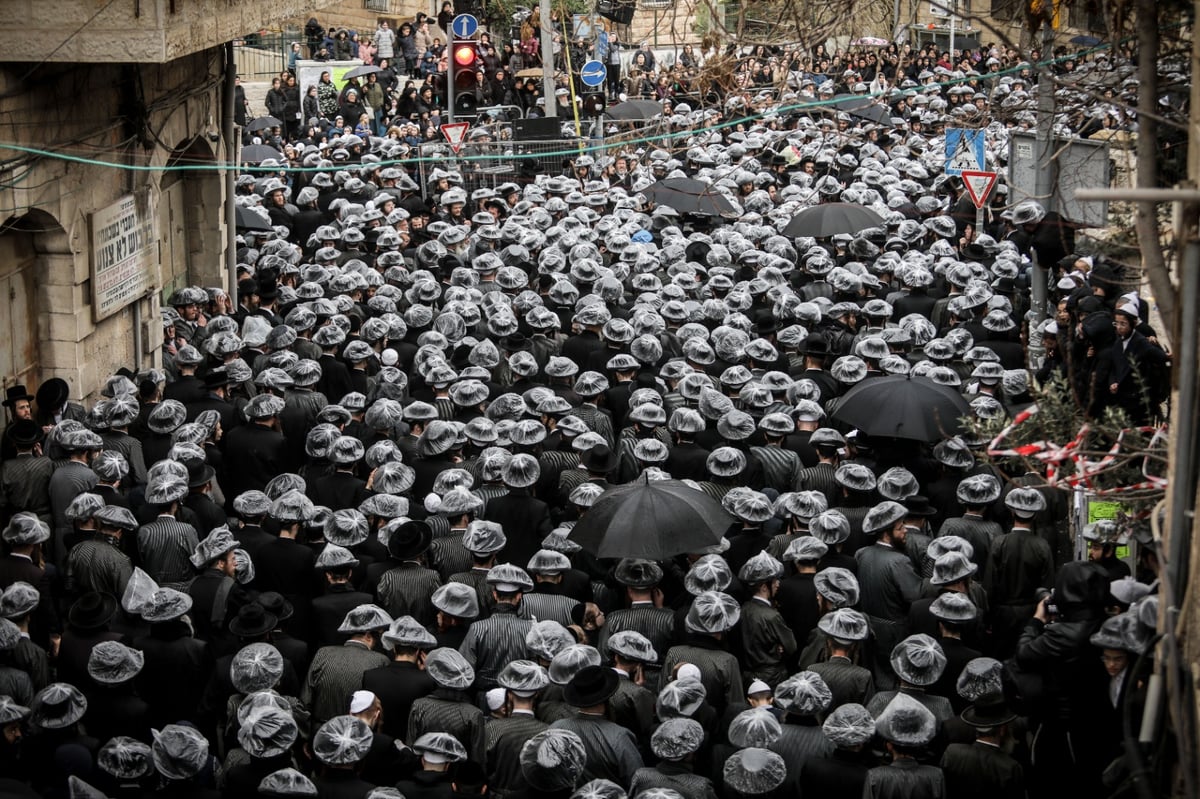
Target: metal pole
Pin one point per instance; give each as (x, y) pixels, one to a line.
(548, 59)
(229, 133)
(1047, 172)
(953, 8)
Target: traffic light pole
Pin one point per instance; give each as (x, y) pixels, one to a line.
(450, 75)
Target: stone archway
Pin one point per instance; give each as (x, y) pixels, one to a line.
(36, 273)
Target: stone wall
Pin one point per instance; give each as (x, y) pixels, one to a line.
(111, 129)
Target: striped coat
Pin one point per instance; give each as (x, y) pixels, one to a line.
(164, 547)
(450, 712)
(494, 642)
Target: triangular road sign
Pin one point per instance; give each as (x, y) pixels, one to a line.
(979, 185)
(456, 134)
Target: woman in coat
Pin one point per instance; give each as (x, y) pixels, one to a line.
(291, 108)
(310, 107)
(327, 96)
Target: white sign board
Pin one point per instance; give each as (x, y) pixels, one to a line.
(1077, 164)
(124, 255)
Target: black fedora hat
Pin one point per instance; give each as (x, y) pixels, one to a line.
(92, 611)
(989, 711)
(13, 394)
(276, 604)
(592, 685)
(766, 325)
(200, 473)
(514, 342)
(917, 505)
(53, 394)
(599, 459)
(409, 540)
(815, 344)
(25, 432)
(252, 621)
(216, 378)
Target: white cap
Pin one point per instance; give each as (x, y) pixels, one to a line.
(389, 357)
(758, 687)
(495, 698)
(361, 700)
(688, 670)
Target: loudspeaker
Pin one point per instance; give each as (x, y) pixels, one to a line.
(619, 12)
(538, 129)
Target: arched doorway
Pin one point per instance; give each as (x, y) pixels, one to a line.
(33, 248)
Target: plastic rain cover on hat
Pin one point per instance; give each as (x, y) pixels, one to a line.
(553, 760)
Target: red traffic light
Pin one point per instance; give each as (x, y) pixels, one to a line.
(465, 54)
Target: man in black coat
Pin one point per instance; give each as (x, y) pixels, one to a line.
(843, 774)
(256, 452)
(216, 388)
(403, 681)
(340, 597)
(984, 769)
(526, 522)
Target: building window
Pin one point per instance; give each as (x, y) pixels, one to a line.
(382, 6)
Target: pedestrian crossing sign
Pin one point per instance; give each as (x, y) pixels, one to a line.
(964, 151)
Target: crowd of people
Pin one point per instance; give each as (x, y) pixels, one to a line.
(326, 549)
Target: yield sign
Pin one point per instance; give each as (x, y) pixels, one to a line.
(979, 185)
(456, 134)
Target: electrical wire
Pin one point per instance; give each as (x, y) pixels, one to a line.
(29, 152)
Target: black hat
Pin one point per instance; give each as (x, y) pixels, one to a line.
(268, 290)
(599, 459)
(200, 473)
(24, 432)
(989, 711)
(53, 394)
(514, 343)
(247, 286)
(276, 605)
(815, 344)
(216, 378)
(15, 393)
(410, 539)
(252, 621)
(917, 505)
(765, 325)
(592, 685)
(92, 611)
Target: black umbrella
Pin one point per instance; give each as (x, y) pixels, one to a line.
(689, 196)
(913, 408)
(245, 219)
(359, 72)
(829, 219)
(652, 519)
(257, 153)
(863, 107)
(633, 110)
(262, 123)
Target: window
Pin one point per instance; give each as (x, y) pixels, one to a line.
(377, 5)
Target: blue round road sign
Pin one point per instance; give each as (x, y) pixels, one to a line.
(593, 73)
(464, 26)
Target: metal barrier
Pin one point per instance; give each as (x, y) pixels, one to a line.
(262, 56)
(489, 164)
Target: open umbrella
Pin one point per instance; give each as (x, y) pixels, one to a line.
(262, 123)
(689, 196)
(870, 41)
(1085, 41)
(632, 110)
(829, 219)
(653, 519)
(359, 72)
(257, 153)
(913, 408)
(245, 219)
(863, 107)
